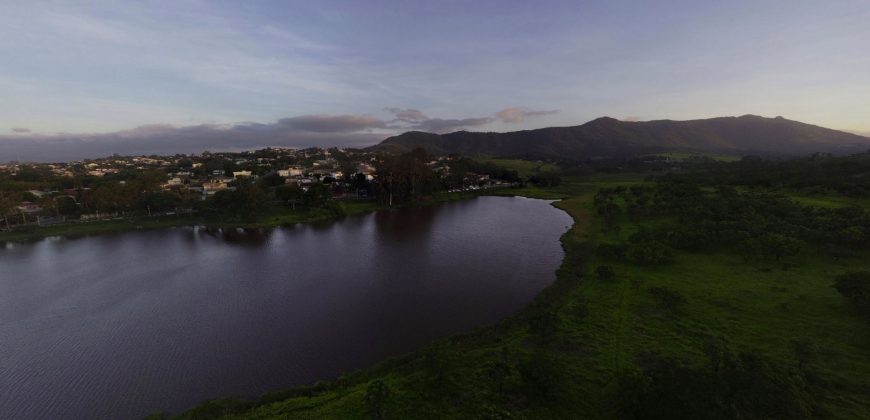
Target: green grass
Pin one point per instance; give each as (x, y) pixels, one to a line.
(755, 306)
(602, 327)
(827, 200)
(524, 168)
(689, 155)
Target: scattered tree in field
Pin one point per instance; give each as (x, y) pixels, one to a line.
(605, 273)
(650, 253)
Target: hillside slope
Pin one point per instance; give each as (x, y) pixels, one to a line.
(608, 137)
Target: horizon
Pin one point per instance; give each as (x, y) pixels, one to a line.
(187, 74)
(163, 135)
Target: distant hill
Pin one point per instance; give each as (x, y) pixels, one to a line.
(609, 137)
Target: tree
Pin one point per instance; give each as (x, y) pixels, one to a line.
(66, 205)
(779, 246)
(376, 398)
(271, 180)
(650, 252)
(247, 202)
(405, 177)
(289, 195)
(605, 273)
(7, 204)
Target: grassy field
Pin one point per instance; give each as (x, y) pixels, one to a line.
(568, 368)
(827, 200)
(690, 155)
(524, 168)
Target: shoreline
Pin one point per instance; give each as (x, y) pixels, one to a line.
(282, 217)
(574, 243)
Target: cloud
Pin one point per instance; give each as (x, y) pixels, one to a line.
(407, 115)
(333, 123)
(417, 120)
(516, 115)
(301, 131)
(439, 125)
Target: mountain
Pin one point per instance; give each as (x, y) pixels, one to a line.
(609, 137)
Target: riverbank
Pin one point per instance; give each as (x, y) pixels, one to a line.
(274, 218)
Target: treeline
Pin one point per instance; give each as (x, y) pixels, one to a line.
(753, 224)
(847, 175)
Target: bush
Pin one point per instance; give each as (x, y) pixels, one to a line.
(376, 397)
(542, 376)
(650, 253)
(605, 273)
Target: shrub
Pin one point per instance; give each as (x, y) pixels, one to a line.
(605, 273)
(376, 397)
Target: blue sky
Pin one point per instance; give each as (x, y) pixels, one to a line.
(104, 67)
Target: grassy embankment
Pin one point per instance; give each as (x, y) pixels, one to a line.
(560, 357)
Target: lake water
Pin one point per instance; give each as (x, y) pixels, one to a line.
(120, 326)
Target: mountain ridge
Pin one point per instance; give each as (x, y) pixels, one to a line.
(609, 137)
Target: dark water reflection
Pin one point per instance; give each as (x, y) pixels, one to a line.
(118, 326)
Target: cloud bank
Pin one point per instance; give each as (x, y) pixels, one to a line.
(299, 131)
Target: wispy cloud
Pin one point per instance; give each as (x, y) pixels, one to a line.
(417, 120)
(440, 125)
(407, 114)
(333, 123)
(20, 130)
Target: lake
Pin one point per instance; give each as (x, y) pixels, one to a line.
(120, 326)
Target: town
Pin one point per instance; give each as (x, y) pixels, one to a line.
(230, 185)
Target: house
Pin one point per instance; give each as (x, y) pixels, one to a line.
(300, 181)
(174, 182)
(212, 187)
(37, 193)
(28, 207)
(290, 172)
(239, 174)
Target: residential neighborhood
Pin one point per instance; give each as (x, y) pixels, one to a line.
(125, 186)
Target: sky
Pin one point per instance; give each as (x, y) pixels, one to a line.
(81, 78)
